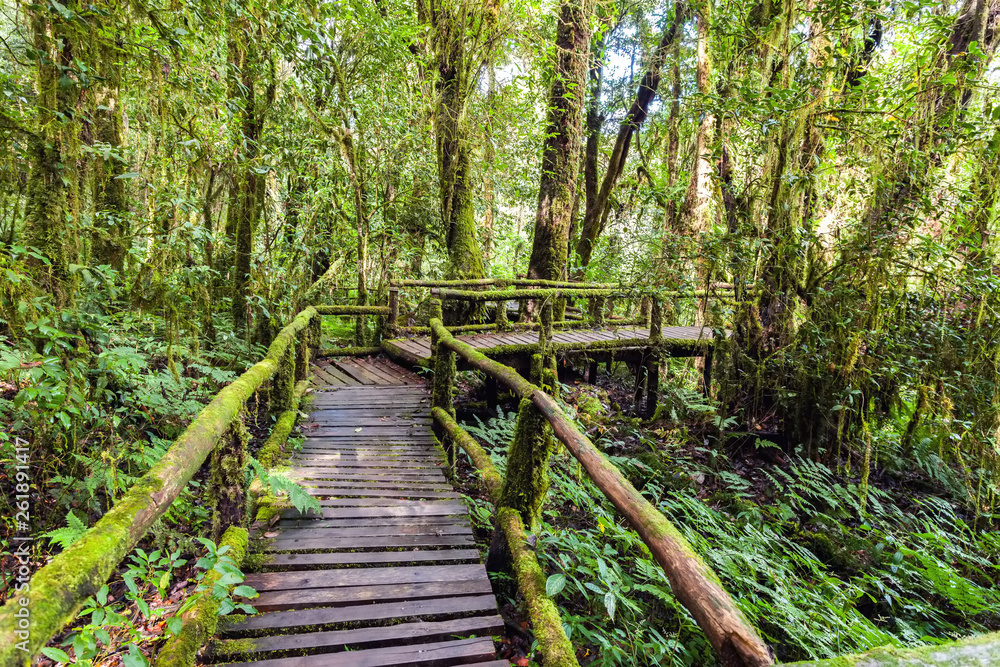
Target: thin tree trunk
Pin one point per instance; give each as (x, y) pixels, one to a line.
(596, 217)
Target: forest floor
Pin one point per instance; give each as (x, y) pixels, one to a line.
(818, 570)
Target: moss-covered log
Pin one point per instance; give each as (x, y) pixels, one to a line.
(350, 351)
(201, 619)
(523, 294)
(57, 591)
(480, 459)
(977, 651)
(556, 649)
(353, 310)
(694, 584)
(500, 282)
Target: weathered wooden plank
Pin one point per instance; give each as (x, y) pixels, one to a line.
(320, 378)
(345, 379)
(334, 462)
(387, 376)
(373, 485)
(376, 474)
(352, 367)
(386, 521)
(333, 543)
(332, 597)
(326, 616)
(303, 579)
(416, 655)
(402, 633)
(401, 508)
(299, 561)
(369, 531)
(356, 492)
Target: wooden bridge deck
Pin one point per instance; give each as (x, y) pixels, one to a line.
(418, 350)
(389, 574)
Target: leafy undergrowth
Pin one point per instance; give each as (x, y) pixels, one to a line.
(817, 570)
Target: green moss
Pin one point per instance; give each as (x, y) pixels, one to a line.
(976, 651)
(555, 647)
(349, 351)
(527, 479)
(200, 621)
(353, 310)
(589, 406)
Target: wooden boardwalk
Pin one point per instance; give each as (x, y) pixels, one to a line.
(418, 350)
(389, 574)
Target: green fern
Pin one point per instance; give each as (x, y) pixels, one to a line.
(73, 531)
(279, 484)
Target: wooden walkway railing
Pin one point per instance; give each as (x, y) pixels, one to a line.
(519, 497)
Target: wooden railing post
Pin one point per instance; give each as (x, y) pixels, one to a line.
(527, 478)
(283, 384)
(502, 322)
(548, 376)
(391, 327)
(226, 494)
(444, 380)
(655, 356)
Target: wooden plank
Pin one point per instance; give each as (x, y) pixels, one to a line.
(358, 418)
(372, 484)
(378, 502)
(345, 379)
(368, 455)
(402, 508)
(402, 633)
(355, 492)
(384, 521)
(357, 614)
(373, 576)
(299, 561)
(324, 379)
(333, 462)
(387, 431)
(349, 369)
(369, 531)
(355, 368)
(374, 475)
(333, 543)
(387, 376)
(374, 447)
(435, 654)
(332, 597)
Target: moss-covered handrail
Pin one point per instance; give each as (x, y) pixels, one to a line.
(353, 310)
(500, 282)
(56, 592)
(557, 651)
(525, 294)
(692, 581)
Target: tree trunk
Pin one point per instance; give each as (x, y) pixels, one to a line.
(561, 153)
(45, 212)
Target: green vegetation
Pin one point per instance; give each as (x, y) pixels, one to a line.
(815, 183)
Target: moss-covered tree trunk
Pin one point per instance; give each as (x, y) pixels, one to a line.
(561, 153)
(109, 245)
(46, 208)
(246, 62)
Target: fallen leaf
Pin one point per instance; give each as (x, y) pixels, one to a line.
(357, 430)
(273, 533)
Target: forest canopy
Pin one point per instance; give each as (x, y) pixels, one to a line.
(816, 181)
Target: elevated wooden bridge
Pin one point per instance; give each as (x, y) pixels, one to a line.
(388, 573)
